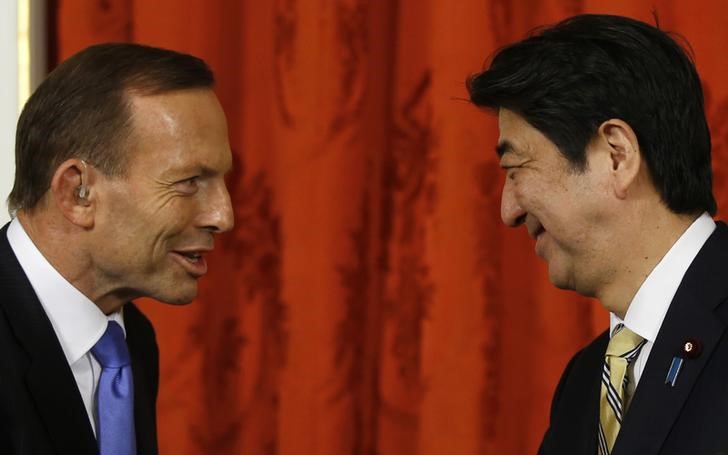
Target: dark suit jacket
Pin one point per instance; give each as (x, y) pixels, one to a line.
(41, 410)
(689, 418)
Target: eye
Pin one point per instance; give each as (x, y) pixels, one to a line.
(510, 170)
(187, 186)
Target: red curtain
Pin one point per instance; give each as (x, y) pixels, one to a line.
(368, 300)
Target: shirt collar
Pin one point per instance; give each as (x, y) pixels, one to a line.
(76, 320)
(649, 306)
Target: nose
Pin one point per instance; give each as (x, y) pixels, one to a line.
(512, 213)
(219, 213)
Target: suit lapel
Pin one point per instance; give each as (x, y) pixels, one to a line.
(145, 361)
(656, 404)
(583, 421)
(592, 405)
(49, 378)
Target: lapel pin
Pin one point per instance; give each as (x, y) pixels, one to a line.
(691, 349)
(674, 371)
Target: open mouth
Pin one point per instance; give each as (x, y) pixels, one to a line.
(539, 231)
(536, 234)
(191, 256)
(535, 230)
(192, 261)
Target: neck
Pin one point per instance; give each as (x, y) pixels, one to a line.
(641, 250)
(61, 245)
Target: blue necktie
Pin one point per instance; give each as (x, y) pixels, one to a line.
(115, 394)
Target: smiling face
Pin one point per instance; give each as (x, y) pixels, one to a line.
(154, 224)
(562, 208)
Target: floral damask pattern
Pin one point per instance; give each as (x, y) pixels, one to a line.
(489, 265)
(363, 92)
(285, 34)
(358, 336)
(717, 112)
(254, 248)
(352, 40)
(414, 194)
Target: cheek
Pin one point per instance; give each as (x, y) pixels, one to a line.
(133, 231)
(571, 225)
(532, 195)
(178, 215)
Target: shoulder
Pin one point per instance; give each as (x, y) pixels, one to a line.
(142, 342)
(583, 367)
(575, 405)
(135, 318)
(139, 329)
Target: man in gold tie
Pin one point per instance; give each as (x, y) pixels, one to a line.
(606, 150)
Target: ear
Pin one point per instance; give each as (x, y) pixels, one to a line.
(72, 190)
(624, 154)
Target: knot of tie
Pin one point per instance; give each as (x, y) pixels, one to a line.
(623, 348)
(111, 350)
(624, 343)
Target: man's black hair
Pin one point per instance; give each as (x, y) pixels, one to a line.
(566, 80)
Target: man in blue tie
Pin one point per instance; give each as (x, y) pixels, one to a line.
(119, 190)
(606, 151)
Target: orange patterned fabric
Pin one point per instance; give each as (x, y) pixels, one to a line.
(368, 300)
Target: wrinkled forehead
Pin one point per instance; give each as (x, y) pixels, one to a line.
(179, 128)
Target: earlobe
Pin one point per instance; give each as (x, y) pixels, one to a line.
(624, 154)
(71, 189)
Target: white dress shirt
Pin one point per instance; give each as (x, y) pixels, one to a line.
(651, 302)
(77, 321)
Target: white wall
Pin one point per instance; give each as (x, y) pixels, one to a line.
(8, 99)
(11, 86)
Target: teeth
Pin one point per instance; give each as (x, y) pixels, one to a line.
(192, 257)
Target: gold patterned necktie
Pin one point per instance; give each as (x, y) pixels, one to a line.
(623, 348)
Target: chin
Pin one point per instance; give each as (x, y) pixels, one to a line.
(180, 295)
(560, 279)
(562, 285)
(178, 301)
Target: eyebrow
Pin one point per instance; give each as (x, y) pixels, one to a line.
(208, 171)
(503, 147)
(201, 170)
